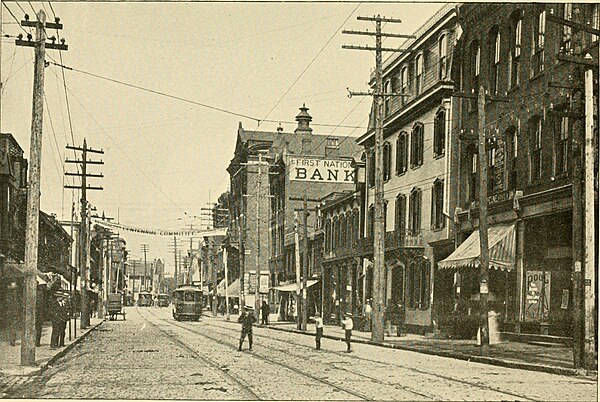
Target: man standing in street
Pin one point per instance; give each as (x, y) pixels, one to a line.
(319, 329)
(348, 324)
(265, 310)
(247, 319)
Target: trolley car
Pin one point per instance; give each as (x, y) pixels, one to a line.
(163, 300)
(187, 303)
(144, 299)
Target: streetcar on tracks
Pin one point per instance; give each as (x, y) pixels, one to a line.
(163, 300)
(187, 303)
(144, 299)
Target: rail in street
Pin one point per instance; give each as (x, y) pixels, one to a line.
(151, 356)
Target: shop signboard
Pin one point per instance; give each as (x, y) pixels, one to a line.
(537, 296)
(250, 283)
(320, 170)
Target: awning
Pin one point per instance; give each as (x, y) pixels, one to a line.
(17, 270)
(501, 243)
(233, 290)
(292, 287)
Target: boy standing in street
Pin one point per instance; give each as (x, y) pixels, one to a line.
(348, 324)
(319, 330)
(247, 319)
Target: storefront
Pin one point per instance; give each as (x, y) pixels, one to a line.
(287, 300)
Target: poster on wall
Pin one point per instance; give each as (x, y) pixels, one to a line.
(250, 283)
(537, 295)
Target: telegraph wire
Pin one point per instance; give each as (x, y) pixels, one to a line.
(52, 9)
(15, 18)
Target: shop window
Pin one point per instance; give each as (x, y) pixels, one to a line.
(414, 212)
(387, 161)
(437, 205)
(561, 145)
(416, 142)
(515, 49)
(439, 132)
(402, 153)
(443, 52)
(494, 57)
(400, 220)
(537, 46)
(535, 149)
(418, 74)
(511, 157)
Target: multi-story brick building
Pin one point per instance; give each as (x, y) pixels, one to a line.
(512, 50)
(419, 166)
(293, 165)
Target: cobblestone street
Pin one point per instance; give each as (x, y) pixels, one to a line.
(151, 356)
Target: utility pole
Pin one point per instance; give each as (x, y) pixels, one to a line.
(241, 259)
(211, 259)
(33, 194)
(145, 248)
(258, 197)
(83, 226)
(377, 333)
(483, 224)
(305, 266)
(226, 284)
(297, 255)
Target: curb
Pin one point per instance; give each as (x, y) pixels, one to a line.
(461, 356)
(65, 350)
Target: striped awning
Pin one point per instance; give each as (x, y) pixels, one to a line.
(292, 287)
(501, 243)
(233, 290)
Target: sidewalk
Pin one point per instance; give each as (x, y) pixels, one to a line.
(557, 359)
(11, 371)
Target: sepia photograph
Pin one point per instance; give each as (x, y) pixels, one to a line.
(299, 200)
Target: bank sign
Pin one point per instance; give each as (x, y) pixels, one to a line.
(320, 170)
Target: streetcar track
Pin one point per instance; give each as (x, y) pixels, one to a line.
(289, 367)
(353, 356)
(245, 388)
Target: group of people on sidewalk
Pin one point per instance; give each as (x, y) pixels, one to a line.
(52, 303)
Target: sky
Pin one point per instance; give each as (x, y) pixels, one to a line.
(164, 158)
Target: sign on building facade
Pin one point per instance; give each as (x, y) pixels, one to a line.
(320, 170)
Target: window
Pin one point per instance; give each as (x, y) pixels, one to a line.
(400, 221)
(511, 157)
(371, 222)
(491, 171)
(535, 149)
(335, 234)
(418, 284)
(437, 204)
(439, 132)
(414, 223)
(404, 83)
(515, 49)
(419, 74)
(349, 231)
(494, 54)
(371, 168)
(443, 52)
(473, 169)
(387, 161)
(475, 69)
(567, 31)
(416, 142)
(386, 99)
(356, 225)
(343, 230)
(537, 47)
(332, 142)
(561, 145)
(327, 236)
(595, 20)
(385, 216)
(402, 153)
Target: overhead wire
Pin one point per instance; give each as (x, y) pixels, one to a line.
(14, 17)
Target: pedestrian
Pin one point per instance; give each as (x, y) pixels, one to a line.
(247, 319)
(40, 313)
(265, 310)
(368, 312)
(56, 314)
(348, 324)
(318, 329)
(12, 306)
(65, 313)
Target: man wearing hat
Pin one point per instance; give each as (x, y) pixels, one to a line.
(348, 324)
(247, 319)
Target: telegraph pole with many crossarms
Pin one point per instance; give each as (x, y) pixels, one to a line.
(379, 222)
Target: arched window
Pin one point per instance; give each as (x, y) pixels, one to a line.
(414, 211)
(437, 204)
(401, 214)
(512, 142)
(387, 161)
(535, 148)
(443, 52)
(538, 42)
(439, 132)
(402, 153)
(494, 58)
(419, 71)
(416, 142)
(404, 83)
(349, 231)
(515, 48)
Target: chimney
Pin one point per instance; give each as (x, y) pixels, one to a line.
(303, 120)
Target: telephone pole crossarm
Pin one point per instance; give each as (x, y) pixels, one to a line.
(384, 34)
